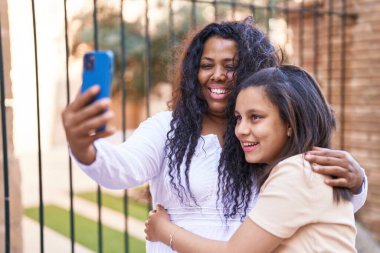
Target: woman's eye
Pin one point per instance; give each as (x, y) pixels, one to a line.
(206, 66)
(230, 68)
(237, 117)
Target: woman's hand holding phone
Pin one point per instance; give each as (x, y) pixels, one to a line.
(81, 119)
(85, 118)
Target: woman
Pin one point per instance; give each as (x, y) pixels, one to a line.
(280, 114)
(178, 152)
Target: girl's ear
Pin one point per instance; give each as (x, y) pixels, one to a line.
(289, 132)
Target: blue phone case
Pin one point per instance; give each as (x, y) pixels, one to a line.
(98, 69)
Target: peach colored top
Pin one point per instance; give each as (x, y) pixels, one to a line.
(295, 204)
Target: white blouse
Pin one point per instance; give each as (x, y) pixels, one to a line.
(141, 158)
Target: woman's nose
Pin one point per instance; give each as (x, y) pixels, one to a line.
(219, 74)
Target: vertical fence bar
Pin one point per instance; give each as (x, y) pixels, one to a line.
(171, 28)
(41, 203)
(5, 153)
(343, 73)
(123, 116)
(268, 16)
(252, 7)
(329, 51)
(316, 38)
(193, 13)
(148, 58)
(286, 11)
(301, 32)
(287, 15)
(148, 72)
(233, 8)
(72, 230)
(98, 191)
(215, 4)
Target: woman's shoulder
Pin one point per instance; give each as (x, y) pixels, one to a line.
(163, 116)
(161, 119)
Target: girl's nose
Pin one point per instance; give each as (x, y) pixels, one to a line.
(241, 128)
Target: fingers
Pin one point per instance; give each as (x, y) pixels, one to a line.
(83, 99)
(339, 176)
(338, 182)
(326, 152)
(152, 212)
(333, 171)
(323, 160)
(147, 236)
(89, 126)
(73, 118)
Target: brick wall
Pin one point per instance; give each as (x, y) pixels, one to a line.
(359, 98)
(13, 166)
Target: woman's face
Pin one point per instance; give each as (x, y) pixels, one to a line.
(259, 128)
(218, 62)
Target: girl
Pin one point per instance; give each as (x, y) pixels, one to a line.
(280, 114)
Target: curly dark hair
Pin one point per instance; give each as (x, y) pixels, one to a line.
(255, 52)
(302, 106)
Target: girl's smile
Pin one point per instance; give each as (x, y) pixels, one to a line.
(261, 131)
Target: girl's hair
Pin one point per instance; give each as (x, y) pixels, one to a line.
(254, 53)
(302, 106)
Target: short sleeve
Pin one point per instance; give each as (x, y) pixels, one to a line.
(288, 198)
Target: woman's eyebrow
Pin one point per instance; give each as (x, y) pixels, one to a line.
(211, 59)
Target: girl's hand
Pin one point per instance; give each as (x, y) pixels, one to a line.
(340, 165)
(158, 224)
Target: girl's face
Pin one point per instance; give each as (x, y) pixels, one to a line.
(259, 128)
(218, 62)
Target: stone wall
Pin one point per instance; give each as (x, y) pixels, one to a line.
(359, 98)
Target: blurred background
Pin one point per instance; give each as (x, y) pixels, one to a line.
(48, 205)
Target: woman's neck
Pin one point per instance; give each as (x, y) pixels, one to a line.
(212, 124)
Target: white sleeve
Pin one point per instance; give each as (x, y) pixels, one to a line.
(137, 160)
(359, 199)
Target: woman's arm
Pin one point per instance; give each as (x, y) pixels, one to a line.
(248, 238)
(339, 164)
(134, 162)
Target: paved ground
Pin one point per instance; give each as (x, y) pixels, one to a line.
(56, 191)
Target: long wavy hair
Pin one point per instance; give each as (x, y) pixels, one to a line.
(302, 106)
(254, 53)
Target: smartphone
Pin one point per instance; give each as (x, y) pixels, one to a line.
(98, 69)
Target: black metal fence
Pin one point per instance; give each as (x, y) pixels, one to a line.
(322, 15)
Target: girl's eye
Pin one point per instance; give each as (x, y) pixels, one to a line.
(255, 117)
(237, 117)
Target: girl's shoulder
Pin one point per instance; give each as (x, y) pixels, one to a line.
(298, 170)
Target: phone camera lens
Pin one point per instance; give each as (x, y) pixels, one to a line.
(89, 62)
